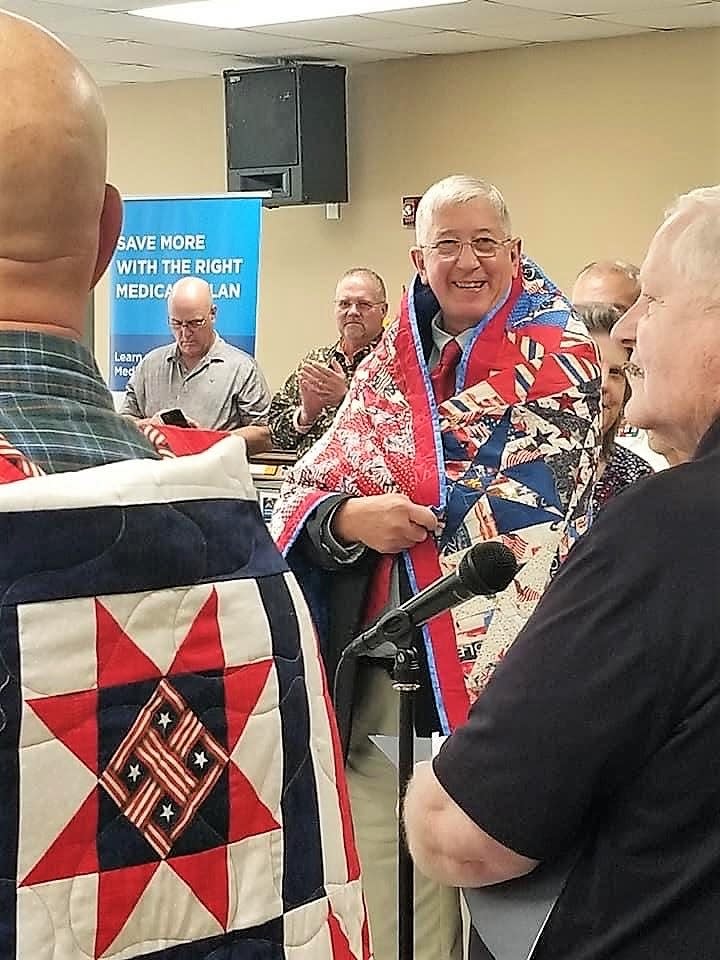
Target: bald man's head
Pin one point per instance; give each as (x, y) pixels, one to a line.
(191, 315)
(59, 222)
(608, 281)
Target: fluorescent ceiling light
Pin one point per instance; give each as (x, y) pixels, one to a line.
(234, 15)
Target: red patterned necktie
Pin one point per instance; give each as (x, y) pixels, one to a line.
(442, 376)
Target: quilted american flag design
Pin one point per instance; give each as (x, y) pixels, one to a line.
(171, 781)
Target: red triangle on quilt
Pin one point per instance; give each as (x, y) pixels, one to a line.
(74, 850)
(202, 647)
(119, 660)
(243, 688)
(72, 717)
(207, 876)
(249, 817)
(118, 894)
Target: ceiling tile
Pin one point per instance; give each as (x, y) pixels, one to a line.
(245, 43)
(108, 74)
(453, 41)
(531, 27)
(568, 29)
(111, 5)
(363, 31)
(59, 16)
(588, 7)
(346, 53)
(194, 61)
(478, 16)
(697, 15)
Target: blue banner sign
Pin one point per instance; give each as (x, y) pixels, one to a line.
(165, 239)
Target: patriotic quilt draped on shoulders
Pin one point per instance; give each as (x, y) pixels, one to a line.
(171, 781)
(510, 457)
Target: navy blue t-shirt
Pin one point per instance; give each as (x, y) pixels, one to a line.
(601, 728)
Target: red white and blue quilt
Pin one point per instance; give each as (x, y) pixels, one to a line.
(169, 770)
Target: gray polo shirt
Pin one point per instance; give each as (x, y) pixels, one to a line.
(224, 391)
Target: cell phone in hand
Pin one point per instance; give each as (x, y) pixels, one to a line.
(174, 418)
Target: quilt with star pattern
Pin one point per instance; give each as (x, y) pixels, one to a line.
(170, 776)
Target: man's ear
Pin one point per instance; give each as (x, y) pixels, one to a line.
(111, 220)
(418, 258)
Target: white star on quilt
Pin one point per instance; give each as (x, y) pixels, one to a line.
(201, 759)
(164, 721)
(167, 812)
(134, 774)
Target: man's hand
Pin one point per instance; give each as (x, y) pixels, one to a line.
(257, 438)
(388, 523)
(320, 387)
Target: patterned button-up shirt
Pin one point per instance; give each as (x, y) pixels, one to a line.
(55, 407)
(287, 400)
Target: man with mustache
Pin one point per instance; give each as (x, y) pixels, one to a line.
(305, 407)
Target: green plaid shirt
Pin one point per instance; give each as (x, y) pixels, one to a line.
(287, 400)
(55, 407)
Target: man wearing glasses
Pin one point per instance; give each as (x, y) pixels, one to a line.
(306, 405)
(475, 418)
(215, 385)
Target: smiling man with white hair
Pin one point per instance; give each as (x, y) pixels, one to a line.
(598, 737)
(475, 418)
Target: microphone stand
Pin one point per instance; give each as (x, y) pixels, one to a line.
(397, 628)
(484, 570)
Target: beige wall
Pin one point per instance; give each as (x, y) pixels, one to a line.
(588, 141)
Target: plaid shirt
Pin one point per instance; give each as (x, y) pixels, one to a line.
(287, 400)
(55, 407)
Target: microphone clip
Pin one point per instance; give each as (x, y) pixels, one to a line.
(397, 628)
(406, 670)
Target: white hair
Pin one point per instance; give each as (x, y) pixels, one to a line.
(454, 190)
(695, 252)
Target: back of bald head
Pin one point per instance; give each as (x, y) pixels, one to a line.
(613, 282)
(53, 198)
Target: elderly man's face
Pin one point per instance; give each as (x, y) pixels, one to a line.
(467, 286)
(192, 321)
(674, 333)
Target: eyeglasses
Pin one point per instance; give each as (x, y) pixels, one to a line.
(484, 248)
(364, 306)
(187, 324)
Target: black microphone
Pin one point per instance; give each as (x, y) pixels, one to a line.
(486, 569)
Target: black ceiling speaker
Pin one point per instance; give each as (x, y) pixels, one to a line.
(286, 130)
